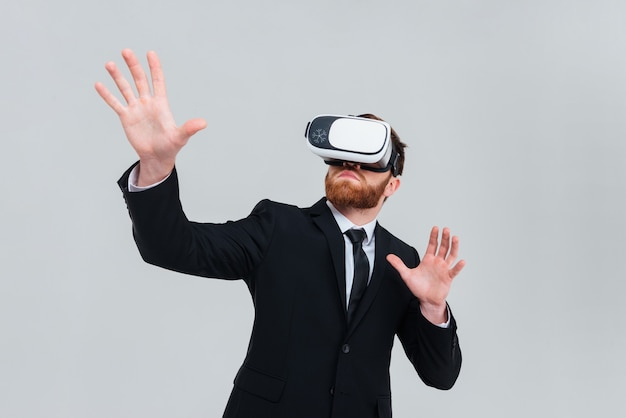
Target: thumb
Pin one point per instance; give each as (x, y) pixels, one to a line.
(397, 263)
(192, 126)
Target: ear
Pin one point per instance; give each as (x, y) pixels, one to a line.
(392, 186)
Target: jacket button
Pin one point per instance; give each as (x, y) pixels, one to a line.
(332, 390)
(345, 348)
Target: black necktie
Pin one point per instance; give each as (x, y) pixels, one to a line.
(361, 269)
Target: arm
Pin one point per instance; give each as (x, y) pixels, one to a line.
(166, 238)
(162, 232)
(434, 351)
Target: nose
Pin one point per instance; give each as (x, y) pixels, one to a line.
(351, 164)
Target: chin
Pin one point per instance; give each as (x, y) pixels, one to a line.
(347, 194)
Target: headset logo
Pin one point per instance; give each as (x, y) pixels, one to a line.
(319, 135)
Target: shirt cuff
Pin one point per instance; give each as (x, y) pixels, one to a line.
(447, 323)
(132, 181)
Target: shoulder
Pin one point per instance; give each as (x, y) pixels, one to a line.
(271, 206)
(397, 246)
(292, 217)
(394, 240)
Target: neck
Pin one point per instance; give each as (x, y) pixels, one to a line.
(357, 216)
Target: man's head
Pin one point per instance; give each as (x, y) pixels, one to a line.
(349, 185)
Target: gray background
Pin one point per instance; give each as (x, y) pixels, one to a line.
(514, 113)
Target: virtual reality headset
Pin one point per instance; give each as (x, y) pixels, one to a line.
(340, 139)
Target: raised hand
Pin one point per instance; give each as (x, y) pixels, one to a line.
(430, 281)
(146, 117)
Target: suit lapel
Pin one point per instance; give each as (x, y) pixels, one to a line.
(325, 221)
(380, 265)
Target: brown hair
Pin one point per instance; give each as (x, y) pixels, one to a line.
(398, 145)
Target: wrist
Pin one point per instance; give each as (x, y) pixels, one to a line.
(153, 171)
(436, 313)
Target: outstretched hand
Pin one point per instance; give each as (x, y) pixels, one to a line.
(146, 117)
(430, 281)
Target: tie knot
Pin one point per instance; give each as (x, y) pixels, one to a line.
(356, 236)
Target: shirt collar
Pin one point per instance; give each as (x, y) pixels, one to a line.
(345, 224)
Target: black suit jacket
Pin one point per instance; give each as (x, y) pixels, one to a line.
(304, 359)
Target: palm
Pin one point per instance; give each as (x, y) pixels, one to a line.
(150, 128)
(430, 281)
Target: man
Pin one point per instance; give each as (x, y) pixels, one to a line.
(320, 344)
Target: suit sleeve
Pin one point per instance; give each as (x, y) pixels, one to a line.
(166, 238)
(434, 351)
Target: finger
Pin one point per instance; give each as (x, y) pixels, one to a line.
(454, 251)
(192, 126)
(456, 269)
(121, 83)
(397, 263)
(156, 73)
(109, 98)
(433, 241)
(445, 243)
(136, 70)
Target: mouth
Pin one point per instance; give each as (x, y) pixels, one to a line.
(348, 174)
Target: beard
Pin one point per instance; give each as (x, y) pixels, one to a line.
(341, 192)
